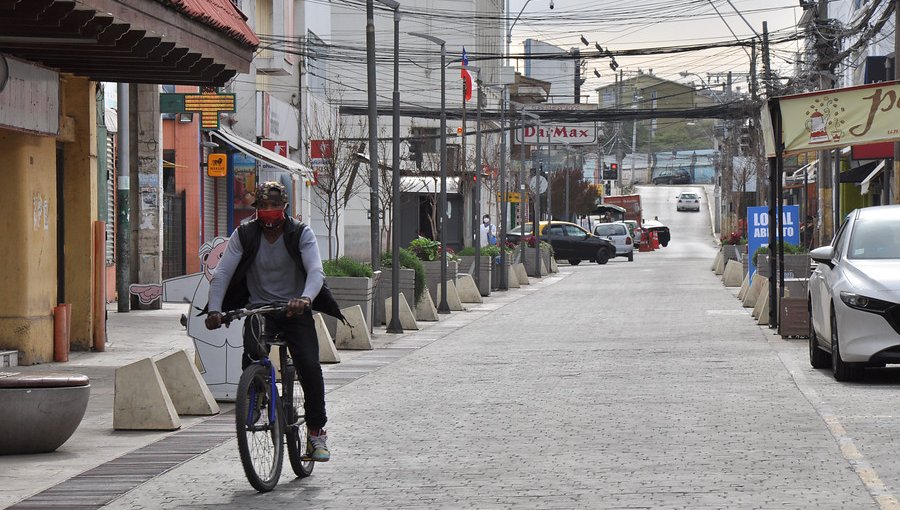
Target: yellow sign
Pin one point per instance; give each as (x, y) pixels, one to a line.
(209, 106)
(217, 165)
(836, 118)
(600, 190)
(511, 196)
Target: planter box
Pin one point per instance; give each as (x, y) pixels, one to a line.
(496, 270)
(433, 275)
(730, 251)
(529, 262)
(385, 286)
(467, 265)
(351, 291)
(793, 317)
(795, 266)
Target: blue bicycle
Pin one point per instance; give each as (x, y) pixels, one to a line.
(263, 416)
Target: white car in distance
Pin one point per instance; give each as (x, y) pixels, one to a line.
(688, 202)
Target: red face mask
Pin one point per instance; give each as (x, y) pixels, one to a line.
(270, 218)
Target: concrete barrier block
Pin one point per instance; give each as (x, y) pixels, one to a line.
(745, 286)
(327, 351)
(355, 334)
(521, 274)
(425, 309)
(763, 316)
(762, 298)
(453, 301)
(186, 386)
(716, 260)
(140, 400)
(720, 266)
(554, 268)
(407, 319)
(733, 273)
(468, 291)
(749, 300)
(512, 279)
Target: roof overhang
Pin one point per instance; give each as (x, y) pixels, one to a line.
(134, 41)
(259, 152)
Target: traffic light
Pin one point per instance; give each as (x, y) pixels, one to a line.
(612, 173)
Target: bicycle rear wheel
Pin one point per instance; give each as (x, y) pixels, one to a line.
(258, 424)
(295, 427)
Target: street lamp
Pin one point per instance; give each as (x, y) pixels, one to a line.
(477, 271)
(504, 199)
(522, 180)
(394, 326)
(443, 307)
(374, 232)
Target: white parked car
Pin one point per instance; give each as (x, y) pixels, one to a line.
(854, 295)
(688, 202)
(617, 234)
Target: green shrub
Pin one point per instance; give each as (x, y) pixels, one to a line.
(486, 251)
(345, 266)
(408, 260)
(424, 248)
(789, 249)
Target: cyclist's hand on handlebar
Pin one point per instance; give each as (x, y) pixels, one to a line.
(213, 320)
(298, 306)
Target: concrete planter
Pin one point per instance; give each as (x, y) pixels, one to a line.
(497, 270)
(385, 286)
(351, 291)
(795, 266)
(529, 262)
(40, 419)
(433, 274)
(467, 265)
(730, 252)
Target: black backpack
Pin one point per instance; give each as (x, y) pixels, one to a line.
(250, 235)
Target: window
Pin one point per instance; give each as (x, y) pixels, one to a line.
(316, 67)
(875, 239)
(573, 231)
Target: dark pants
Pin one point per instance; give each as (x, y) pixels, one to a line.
(303, 344)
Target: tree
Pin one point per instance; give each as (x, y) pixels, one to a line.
(582, 194)
(337, 178)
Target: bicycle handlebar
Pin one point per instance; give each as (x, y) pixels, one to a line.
(241, 313)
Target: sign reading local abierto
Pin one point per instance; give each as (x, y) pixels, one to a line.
(758, 229)
(837, 118)
(559, 134)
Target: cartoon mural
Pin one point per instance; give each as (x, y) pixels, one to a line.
(219, 351)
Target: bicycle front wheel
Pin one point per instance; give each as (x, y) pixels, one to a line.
(258, 426)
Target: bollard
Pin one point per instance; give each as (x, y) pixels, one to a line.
(61, 330)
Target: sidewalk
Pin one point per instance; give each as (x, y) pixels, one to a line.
(139, 334)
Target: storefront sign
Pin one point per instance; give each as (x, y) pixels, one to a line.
(208, 105)
(276, 119)
(30, 99)
(837, 118)
(320, 151)
(217, 164)
(758, 229)
(559, 134)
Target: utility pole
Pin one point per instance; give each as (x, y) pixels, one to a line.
(123, 189)
(774, 209)
(728, 166)
(504, 200)
(891, 180)
(619, 149)
(577, 61)
(375, 234)
(823, 175)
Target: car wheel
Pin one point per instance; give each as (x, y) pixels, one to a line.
(574, 262)
(841, 370)
(665, 244)
(602, 256)
(631, 257)
(817, 357)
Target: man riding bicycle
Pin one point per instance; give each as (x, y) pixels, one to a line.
(275, 258)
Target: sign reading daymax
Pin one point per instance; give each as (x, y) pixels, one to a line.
(559, 134)
(840, 117)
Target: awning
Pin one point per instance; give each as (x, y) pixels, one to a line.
(179, 42)
(427, 184)
(259, 152)
(601, 208)
(864, 186)
(856, 175)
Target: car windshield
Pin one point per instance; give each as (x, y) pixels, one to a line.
(689, 196)
(609, 230)
(876, 238)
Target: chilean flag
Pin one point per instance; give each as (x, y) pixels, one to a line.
(466, 75)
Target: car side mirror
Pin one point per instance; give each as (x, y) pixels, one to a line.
(823, 255)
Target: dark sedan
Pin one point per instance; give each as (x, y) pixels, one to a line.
(569, 241)
(673, 176)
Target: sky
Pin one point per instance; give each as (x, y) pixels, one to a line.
(635, 24)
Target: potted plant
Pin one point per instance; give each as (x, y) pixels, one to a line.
(467, 265)
(527, 255)
(428, 252)
(412, 282)
(352, 283)
(731, 243)
(510, 249)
